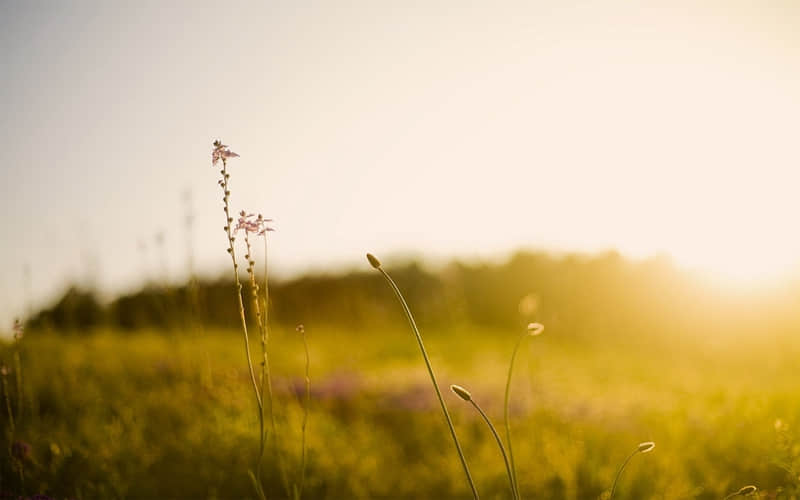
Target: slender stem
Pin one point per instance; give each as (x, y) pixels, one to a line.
(18, 376)
(619, 473)
(506, 420)
(305, 419)
(433, 379)
(500, 444)
(232, 251)
(254, 295)
(8, 408)
(265, 338)
(266, 372)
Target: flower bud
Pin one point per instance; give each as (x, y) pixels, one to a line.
(647, 446)
(535, 329)
(374, 262)
(461, 392)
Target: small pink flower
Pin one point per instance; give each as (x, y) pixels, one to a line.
(252, 224)
(221, 152)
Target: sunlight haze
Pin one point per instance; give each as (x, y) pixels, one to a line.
(437, 129)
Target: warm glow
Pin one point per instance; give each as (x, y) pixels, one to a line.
(439, 131)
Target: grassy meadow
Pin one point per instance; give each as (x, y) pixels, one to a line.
(146, 414)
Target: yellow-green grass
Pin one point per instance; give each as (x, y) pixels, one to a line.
(136, 415)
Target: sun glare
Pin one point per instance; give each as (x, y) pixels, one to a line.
(744, 264)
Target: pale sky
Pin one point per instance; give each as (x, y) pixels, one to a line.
(438, 128)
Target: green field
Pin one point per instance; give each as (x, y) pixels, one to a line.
(148, 415)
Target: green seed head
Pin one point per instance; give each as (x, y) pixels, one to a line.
(461, 392)
(535, 329)
(374, 262)
(645, 447)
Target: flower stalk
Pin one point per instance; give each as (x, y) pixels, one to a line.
(533, 330)
(374, 262)
(466, 396)
(299, 491)
(645, 447)
(221, 153)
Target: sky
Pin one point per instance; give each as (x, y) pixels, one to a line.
(429, 128)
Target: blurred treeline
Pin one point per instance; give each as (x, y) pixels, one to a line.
(604, 297)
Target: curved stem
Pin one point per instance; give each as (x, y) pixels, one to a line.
(505, 415)
(433, 379)
(500, 444)
(619, 473)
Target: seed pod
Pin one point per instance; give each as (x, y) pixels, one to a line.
(461, 392)
(535, 329)
(647, 446)
(374, 262)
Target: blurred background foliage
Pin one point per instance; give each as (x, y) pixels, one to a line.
(588, 297)
(147, 395)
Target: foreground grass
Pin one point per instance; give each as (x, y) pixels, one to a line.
(146, 415)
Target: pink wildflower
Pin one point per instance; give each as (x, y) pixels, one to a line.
(252, 224)
(221, 152)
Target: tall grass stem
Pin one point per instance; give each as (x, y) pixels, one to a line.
(20, 386)
(533, 330)
(11, 425)
(642, 448)
(413, 324)
(466, 396)
(306, 407)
